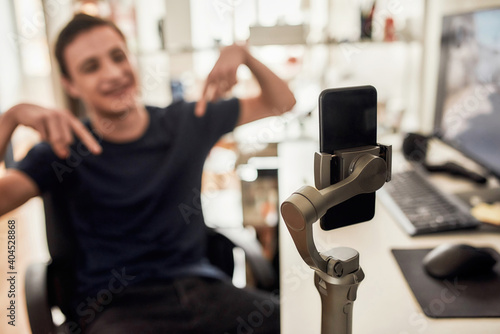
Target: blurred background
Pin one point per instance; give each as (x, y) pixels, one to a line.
(312, 44)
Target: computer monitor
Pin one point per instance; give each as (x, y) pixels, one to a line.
(467, 114)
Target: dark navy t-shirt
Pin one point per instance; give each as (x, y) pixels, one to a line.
(136, 207)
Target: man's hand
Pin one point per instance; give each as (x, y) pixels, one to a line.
(222, 78)
(55, 126)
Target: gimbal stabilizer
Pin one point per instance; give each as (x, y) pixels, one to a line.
(337, 271)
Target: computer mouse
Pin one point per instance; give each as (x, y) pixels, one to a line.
(452, 260)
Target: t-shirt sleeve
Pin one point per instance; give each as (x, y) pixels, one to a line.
(220, 118)
(42, 166)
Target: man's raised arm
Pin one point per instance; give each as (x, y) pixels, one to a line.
(274, 99)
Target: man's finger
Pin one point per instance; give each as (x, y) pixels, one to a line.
(42, 130)
(211, 91)
(208, 96)
(200, 107)
(59, 136)
(85, 136)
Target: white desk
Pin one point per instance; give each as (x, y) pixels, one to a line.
(385, 303)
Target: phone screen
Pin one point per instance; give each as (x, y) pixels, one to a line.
(348, 119)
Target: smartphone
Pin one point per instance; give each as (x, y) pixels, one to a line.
(347, 119)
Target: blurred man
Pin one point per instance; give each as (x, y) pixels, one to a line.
(128, 174)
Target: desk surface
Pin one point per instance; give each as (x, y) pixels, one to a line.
(385, 304)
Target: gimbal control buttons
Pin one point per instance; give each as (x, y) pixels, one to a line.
(348, 308)
(352, 293)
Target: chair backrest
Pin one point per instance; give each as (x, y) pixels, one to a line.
(61, 243)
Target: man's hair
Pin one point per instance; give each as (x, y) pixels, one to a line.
(79, 24)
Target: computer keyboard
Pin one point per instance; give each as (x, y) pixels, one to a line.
(421, 208)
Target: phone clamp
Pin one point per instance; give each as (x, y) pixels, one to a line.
(337, 271)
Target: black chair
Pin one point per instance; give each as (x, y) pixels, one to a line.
(53, 284)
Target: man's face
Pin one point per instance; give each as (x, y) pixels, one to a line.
(100, 71)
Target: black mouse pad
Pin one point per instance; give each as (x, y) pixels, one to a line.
(458, 297)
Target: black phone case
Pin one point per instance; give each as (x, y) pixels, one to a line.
(359, 129)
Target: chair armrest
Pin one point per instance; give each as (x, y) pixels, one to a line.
(37, 300)
(261, 267)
